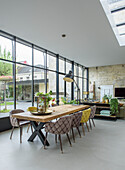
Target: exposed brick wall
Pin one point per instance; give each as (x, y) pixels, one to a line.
(107, 75)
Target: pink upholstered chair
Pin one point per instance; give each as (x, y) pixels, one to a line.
(61, 126)
(76, 122)
(17, 123)
(92, 114)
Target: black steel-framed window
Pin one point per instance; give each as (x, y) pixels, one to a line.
(33, 79)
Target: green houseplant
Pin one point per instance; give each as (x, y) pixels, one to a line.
(65, 101)
(114, 105)
(106, 98)
(42, 96)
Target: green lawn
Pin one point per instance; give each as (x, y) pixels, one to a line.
(4, 111)
(7, 103)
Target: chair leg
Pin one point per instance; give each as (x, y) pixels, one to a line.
(28, 128)
(90, 124)
(31, 128)
(11, 132)
(60, 143)
(69, 139)
(93, 122)
(83, 129)
(73, 135)
(56, 138)
(21, 129)
(78, 131)
(87, 126)
(45, 140)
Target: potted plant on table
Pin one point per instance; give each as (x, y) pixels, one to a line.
(106, 98)
(44, 100)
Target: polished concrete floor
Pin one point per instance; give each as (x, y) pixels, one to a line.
(103, 148)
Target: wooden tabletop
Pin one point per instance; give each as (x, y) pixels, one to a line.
(57, 111)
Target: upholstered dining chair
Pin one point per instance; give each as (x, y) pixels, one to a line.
(61, 126)
(84, 119)
(17, 123)
(32, 108)
(92, 114)
(76, 122)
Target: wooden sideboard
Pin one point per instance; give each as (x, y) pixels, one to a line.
(99, 107)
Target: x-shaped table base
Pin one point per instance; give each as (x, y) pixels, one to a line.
(37, 131)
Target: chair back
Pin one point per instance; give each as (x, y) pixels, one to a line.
(93, 110)
(85, 115)
(76, 119)
(13, 120)
(33, 108)
(61, 126)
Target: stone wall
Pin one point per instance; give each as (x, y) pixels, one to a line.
(107, 75)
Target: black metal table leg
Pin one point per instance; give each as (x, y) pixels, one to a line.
(37, 131)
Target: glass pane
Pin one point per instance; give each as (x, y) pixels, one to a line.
(115, 12)
(5, 48)
(75, 70)
(51, 62)
(80, 86)
(75, 89)
(61, 66)
(85, 73)
(68, 67)
(38, 58)
(80, 71)
(115, 4)
(121, 29)
(85, 89)
(6, 88)
(23, 86)
(23, 54)
(39, 80)
(68, 91)
(51, 85)
(61, 88)
(119, 17)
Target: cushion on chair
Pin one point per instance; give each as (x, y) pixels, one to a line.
(93, 110)
(14, 121)
(61, 126)
(85, 115)
(76, 119)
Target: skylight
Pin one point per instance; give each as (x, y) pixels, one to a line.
(115, 11)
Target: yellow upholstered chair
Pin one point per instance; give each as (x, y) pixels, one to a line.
(85, 118)
(33, 108)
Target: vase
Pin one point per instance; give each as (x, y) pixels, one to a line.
(45, 107)
(103, 101)
(107, 101)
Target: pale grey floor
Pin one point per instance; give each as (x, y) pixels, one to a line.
(101, 149)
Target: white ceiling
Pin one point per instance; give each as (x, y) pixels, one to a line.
(90, 40)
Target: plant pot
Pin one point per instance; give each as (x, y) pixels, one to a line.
(107, 101)
(103, 101)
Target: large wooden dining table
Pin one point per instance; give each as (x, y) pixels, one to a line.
(57, 111)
